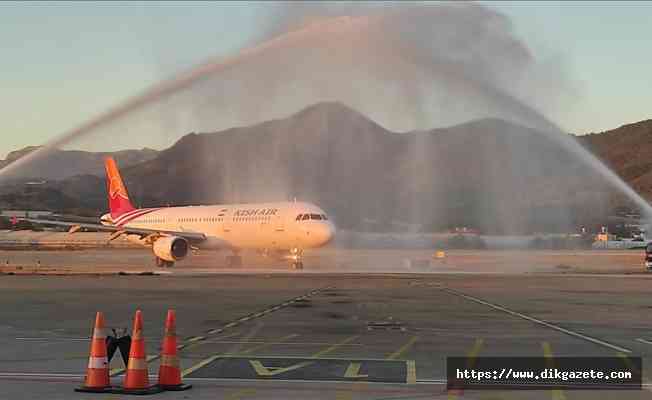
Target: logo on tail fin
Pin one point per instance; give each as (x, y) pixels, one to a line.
(116, 186)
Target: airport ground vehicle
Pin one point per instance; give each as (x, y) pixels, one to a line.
(648, 256)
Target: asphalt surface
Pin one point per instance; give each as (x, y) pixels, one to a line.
(331, 335)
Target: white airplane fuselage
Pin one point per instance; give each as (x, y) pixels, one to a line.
(263, 226)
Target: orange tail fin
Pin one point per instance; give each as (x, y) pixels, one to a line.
(119, 203)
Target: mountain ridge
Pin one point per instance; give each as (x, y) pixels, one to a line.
(488, 173)
(61, 164)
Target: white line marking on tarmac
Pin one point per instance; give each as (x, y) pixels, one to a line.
(299, 381)
(36, 375)
(643, 341)
(63, 339)
(196, 339)
(283, 343)
(51, 338)
(537, 321)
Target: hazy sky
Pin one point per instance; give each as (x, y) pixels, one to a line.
(65, 62)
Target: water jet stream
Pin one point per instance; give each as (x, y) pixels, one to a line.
(388, 41)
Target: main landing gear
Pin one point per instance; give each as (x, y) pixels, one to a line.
(296, 258)
(161, 263)
(233, 261)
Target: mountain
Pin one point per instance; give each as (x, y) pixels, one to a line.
(628, 151)
(61, 164)
(489, 174)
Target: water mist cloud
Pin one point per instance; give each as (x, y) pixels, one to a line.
(405, 66)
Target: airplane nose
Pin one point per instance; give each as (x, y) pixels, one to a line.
(324, 233)
(331, 232)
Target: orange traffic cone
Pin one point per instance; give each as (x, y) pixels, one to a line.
(169, 372)
(137, 378)
(97, 373)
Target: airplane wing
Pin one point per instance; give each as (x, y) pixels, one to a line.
(193, 237)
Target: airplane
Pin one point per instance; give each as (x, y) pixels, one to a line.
(283, 228)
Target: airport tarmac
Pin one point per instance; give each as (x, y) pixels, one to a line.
(337, 334)
(334, 260)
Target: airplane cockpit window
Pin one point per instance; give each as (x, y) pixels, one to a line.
(299, 217)
(305, 217)
(315, 217)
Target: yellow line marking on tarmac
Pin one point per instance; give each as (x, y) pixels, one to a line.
(398, 353)
(200, 364)
(475, 350)
(152, 357)
(229, 325)
(341, 395)
(214, 357)
(266, 344)
(334, 347)
(262, 370)
(189, 346)
(556, 394)
(470, 362)
(626, 360)
(238, 394)
(411, 374)
(353, 371)
(631, 366)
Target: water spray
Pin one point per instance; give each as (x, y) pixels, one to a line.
(384, 27)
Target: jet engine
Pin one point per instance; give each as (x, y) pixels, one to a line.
(171, 248)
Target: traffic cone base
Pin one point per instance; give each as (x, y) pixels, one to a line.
(84, 389)
(144, 391)
(176, 388)
(118, 390)
(169, 372)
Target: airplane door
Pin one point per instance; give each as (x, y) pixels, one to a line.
(227, 220)
(279, 222)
